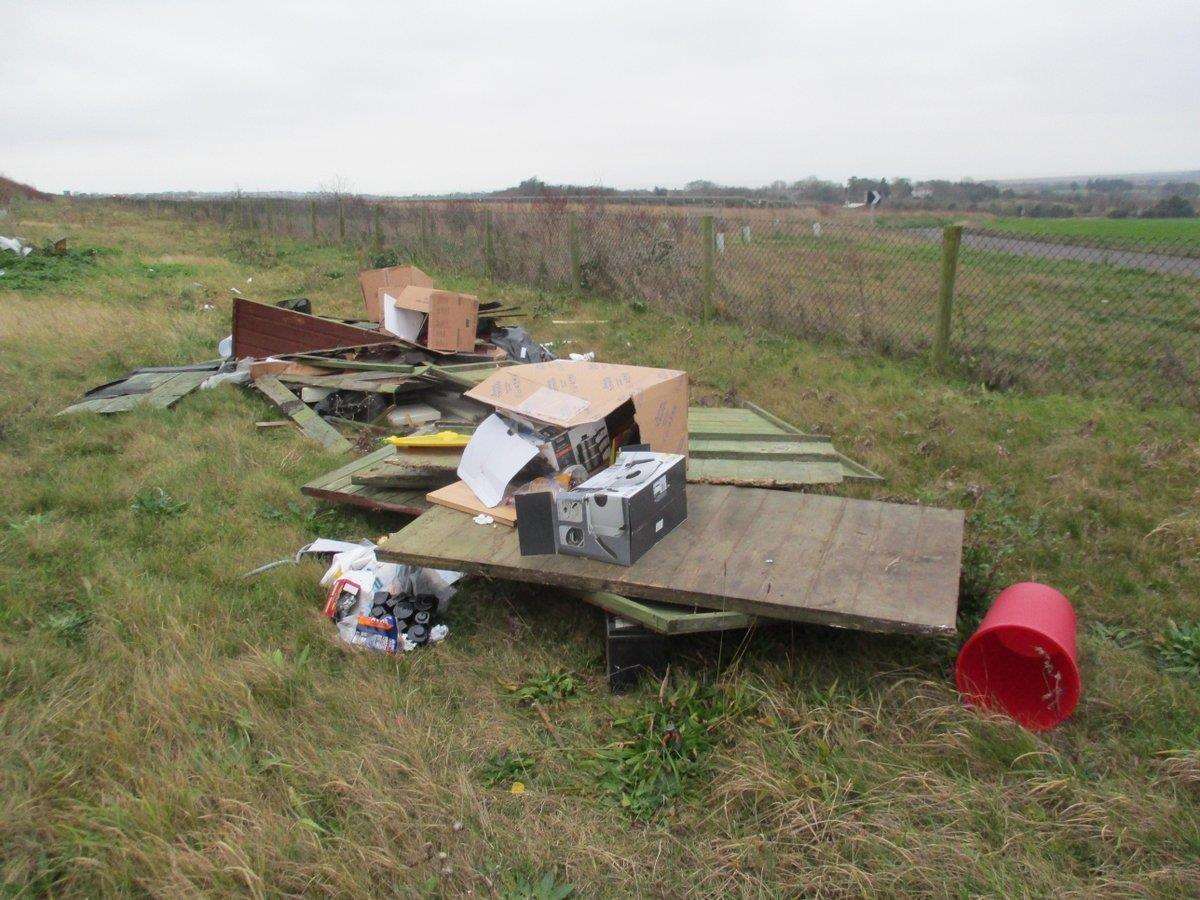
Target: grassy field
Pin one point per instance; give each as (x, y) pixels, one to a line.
(168, 727)
(1173, 235)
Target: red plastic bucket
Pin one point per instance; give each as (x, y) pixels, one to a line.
(1021, 660)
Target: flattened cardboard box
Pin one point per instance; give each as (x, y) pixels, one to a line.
(451, 318)
(569, 394)
(395, 277)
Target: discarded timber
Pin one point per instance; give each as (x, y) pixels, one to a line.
(806, 557)
(664, 618)
(158, 389)
(338, 487)
(262, 330)
(749, 446)
(300, 413)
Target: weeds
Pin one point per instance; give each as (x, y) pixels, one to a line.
(158, 503)
(40, 269)
(507, 767)
(664, 747)
(68, 623)
(1179, 649)
(548, 687)
(314, 520)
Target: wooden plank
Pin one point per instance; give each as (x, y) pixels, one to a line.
(667, 619)
(741, 448)
(763, 473)
(805, 557)
(351, 467)
(384, 475)
(168, 392)
(702, 432)
(338, 487)
(378, 382)
(298, 411)
(750, 434)
(158, 389)
(459, 497)
(261, 330)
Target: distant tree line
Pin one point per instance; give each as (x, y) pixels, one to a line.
(1115, 197)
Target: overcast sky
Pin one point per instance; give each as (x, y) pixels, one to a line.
(400, 97)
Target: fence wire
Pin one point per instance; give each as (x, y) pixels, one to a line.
(1034, 311)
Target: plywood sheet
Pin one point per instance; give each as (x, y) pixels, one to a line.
(813, 558)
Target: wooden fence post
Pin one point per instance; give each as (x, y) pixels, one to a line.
(378, 227)
(312, 214)
(489, 245)
(951, 238)
(341, 220)
(708, 277)
(573, 247)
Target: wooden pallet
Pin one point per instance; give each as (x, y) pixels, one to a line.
(861, 564)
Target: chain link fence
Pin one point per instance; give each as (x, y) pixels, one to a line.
(1033, 311)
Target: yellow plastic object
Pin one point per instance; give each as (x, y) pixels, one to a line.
(441, 439)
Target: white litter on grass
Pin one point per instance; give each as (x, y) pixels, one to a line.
(234, 291)
(15, 245)
(225, 347)
(483, 519)
(583, 357)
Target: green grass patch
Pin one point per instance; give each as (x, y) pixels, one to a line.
(1153, 235)
(41, 269)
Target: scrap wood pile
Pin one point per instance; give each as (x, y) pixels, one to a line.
(597, 478)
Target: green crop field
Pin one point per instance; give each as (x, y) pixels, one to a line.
(1178, 235)
(168, 727)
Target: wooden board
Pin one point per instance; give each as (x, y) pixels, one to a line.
(667, 619)
(300, 413)
(262, 330)
(338, 487)
(749, 446)
(462, 499)
(807, 557)
(158, 389)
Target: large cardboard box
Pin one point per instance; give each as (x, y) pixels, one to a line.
(450, 319)
(395, 277)
(570, 413)
(615, 516)
(569, 394)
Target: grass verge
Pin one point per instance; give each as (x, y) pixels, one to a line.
(169, 727)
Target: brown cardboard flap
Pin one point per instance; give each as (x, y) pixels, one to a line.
(395, 277)
(659, 397)
(453, 318)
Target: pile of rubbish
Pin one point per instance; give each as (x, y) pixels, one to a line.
(600, 479)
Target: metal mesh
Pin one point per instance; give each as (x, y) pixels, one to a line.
(1035, 311)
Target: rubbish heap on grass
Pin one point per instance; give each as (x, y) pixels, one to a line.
(600, 479)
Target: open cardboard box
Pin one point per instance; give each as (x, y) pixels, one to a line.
(397, 278)
(576, 396)
(449, 319)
